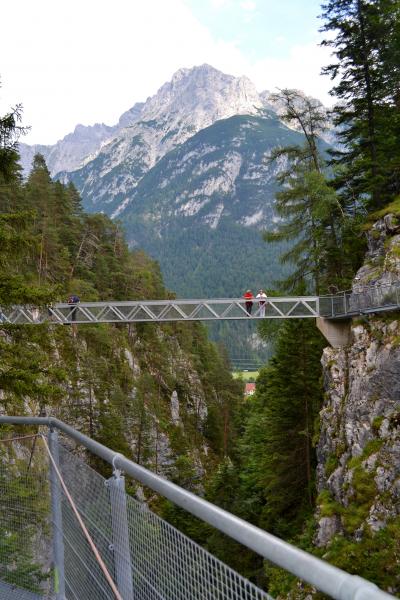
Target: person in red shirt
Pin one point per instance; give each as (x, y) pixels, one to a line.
(248, 296)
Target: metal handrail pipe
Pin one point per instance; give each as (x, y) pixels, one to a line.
(161, 311)
(325, 577)
(183, 301)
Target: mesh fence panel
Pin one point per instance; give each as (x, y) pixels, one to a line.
(25, 531)
(147, 558)
(83, 575)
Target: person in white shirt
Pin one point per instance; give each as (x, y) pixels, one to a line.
(261, 297)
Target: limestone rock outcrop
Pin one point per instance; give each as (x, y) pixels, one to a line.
(358, 474)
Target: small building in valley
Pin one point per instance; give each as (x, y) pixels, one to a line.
(249, 389)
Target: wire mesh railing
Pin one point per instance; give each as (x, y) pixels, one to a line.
(25, 531)
(145, 556)
(101, 543)
(364, 299)
(153, 561)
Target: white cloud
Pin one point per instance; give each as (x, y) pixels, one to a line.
(301, 70)
(248, 5)
(89, 61)
(218, 4)
(86, 62)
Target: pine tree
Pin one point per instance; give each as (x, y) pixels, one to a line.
(311, 212)
(16, 235)
(10, 132)
(367, 47)
(278, 459)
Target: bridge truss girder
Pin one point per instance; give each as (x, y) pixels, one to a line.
(162, 311)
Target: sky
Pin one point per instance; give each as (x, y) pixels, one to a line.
(88, 61)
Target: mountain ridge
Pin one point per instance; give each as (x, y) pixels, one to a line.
(81, 145)
(200, 212)
(191, 182)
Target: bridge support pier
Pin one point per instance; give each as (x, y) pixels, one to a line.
(336, 332)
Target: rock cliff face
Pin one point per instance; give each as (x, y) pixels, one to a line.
(70, 152)
(359, 449)
(142, 391)
(193, 100)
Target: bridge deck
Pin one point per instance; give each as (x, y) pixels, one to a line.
(339, 306)
(162, 311)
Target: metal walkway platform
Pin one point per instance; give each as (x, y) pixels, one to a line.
(162, 311)
(339, 306)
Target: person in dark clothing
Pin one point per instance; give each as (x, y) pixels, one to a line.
(248, 296)
(73, 300)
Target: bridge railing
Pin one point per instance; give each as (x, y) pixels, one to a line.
(341, 305)
(363, 299)
(162, 311)
(145, 557)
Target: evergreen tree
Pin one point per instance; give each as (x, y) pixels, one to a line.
(309, 207)
(307, 114)
(367, 47)
(277, 454)
(16, 235)
(10, 132)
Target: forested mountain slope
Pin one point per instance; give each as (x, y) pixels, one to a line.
(160, 394)
(201, 209)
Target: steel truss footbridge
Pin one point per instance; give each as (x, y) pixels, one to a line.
(162, 311)
(334, 307)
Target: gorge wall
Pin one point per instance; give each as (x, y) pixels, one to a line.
(358, 474)
(148, 392)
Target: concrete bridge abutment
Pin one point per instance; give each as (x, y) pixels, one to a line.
(336, 332)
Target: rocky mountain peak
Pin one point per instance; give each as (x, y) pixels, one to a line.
(192, 100)
(202, 95)
(132, 115)
(87, 133)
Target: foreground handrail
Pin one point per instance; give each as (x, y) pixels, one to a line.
(325, 577)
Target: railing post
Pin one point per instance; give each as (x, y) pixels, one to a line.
(120, 535)
(56, 514)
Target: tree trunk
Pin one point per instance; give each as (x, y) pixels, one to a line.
(370, 105)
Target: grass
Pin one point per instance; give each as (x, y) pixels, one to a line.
(393, 207)
(245, 375)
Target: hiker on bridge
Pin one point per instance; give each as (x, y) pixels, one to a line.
(248, 296)
(262, 298)
(73, 300)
